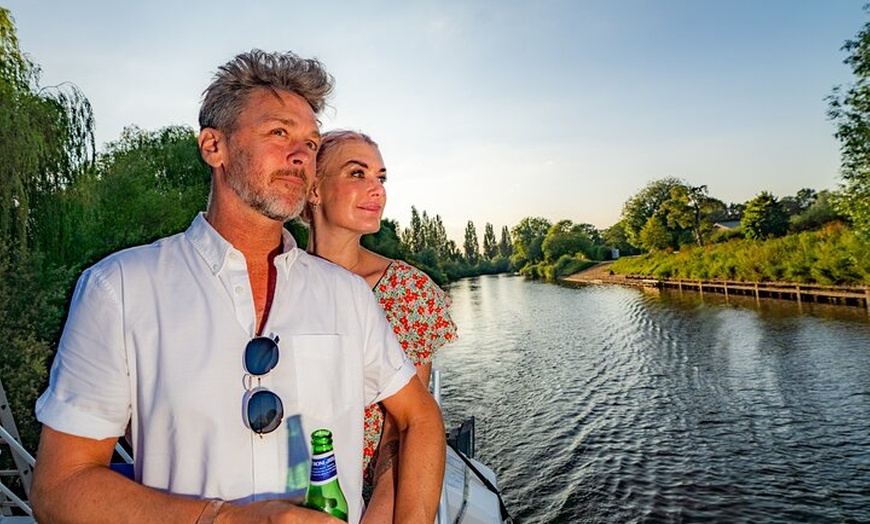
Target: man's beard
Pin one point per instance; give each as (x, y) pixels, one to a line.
(270, 204)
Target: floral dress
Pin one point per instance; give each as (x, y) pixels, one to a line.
(417, 309)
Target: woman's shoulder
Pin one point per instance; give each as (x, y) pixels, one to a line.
(405, 270)
(400, 266)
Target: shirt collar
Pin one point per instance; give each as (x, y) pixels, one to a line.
(214, 249)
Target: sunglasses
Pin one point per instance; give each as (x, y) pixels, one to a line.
(263, 410)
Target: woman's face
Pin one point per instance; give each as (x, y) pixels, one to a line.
(351, 194)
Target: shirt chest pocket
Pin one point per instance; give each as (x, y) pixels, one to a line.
(325, 373)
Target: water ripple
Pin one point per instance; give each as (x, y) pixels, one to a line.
(606, 405)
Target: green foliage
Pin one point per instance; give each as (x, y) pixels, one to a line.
(490, 245)
(668, 214)
(816, 214)
(688, 209)
(386, 241)
(534, 271)
(568, 265)
(32, 301)
(565, 238)
(655, 235)
(849, 109)
(764, 217)
(471, 247)
(528, 237)
(724, 235)
(505, 245)
(145, 186)
(300, 232)
(638, 209)
(616, 237)
(47, 139)
(835, 255)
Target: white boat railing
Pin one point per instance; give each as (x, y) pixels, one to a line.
(442, 517)
(23, 460)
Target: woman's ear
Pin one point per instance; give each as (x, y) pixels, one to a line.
(314, 194)
(212, 146)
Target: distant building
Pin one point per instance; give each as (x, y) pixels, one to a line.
(726, 225)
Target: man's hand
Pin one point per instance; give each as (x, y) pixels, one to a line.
(274, 511)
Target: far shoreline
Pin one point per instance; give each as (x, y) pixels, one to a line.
(849, 296)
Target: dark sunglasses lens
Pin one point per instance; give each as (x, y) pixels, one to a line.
(265, 411)
(261, 355)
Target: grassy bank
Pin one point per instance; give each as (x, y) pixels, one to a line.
(835, 255)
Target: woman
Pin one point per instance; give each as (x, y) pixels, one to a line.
(347, 201)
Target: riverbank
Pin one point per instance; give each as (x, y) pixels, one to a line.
(601, 274)
(853, 296)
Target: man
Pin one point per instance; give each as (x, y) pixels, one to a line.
(167, 341)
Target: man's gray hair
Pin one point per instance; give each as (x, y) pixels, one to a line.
(224, 98)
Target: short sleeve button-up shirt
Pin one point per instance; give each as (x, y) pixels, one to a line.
(155, 337)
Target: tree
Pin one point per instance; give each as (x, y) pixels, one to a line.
(490, 246)
(565, 238)
(849, 109)
(386, 241)
(638, 209)
(591, 231)
(797, 204)
(146, 185)
(816, 215)
(505, 246)
(47, 140)
(615, 237)
(528, 236)
(439, 238)
(764, 218)
(471, 247)
(413, 235)
(655, 235)
(688, 208)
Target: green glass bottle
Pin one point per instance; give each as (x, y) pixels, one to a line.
(324, 493)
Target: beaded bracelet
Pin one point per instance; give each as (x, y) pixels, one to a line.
(209, 512)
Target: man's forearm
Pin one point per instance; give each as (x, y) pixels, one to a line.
(72, 484)
(95, 494)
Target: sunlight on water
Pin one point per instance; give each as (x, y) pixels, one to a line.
(605, 404)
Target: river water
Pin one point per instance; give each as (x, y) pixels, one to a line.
(605, 404)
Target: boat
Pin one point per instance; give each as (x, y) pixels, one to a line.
(470, 493)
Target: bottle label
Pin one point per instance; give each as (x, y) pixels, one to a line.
(323, 468)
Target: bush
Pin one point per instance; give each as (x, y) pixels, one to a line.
(568, 265)
(833, 255)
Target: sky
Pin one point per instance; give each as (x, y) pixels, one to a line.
(492, 111)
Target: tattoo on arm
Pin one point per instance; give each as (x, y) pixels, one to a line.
(388, 454)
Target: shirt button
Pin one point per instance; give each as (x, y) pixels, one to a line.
(238, 290)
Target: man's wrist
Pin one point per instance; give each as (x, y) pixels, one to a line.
(210, 512)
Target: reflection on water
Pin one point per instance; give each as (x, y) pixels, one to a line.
(606, 404)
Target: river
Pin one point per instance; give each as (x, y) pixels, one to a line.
(606, 404)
